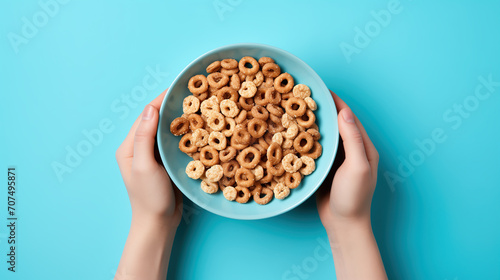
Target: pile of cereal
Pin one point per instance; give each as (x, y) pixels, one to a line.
(249, 130)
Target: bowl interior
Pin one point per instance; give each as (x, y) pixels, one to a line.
(175, 161)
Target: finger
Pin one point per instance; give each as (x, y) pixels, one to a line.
(353, 140)
(144, 139)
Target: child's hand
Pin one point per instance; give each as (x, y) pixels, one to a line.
(345, 208)
(148, 185)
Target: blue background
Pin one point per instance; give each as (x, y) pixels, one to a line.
(437, 219)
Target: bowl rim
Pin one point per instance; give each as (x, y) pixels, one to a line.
(250, 216)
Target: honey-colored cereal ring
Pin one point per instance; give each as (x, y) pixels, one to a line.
(271, 70)
(241, 135)
(307, 119)
(229, 127)
(315, 151)
(195, 156)
(244, 177)
(218, 140)
(303, 142)
(247, 89)
(217, 80)
(268, 177)
(258, 172)
(213, 67)
(195, 169)
(275, 170)
(230, 193)
(256, 188)
(260, 112)
(216, 121)
(274, 119)
(266, 198)
(287, 120)
(186, 144)
(268, 82)
(228, 108)
(190, 105)
(229, 63)
(274, 153)
(246, 103)
(248, 71)
(229, 168)
(301, 91)
(226, 181)
(227, 93)
(237, 146)
(209, 156)
(289, 151)
(314, 133)
(257, 79)
(257, 127)
(272, 96)
(195, 121)
(243, 194)
(277, 138)
(308, 165)
(264, 60)
(281, 191)
(229, 72)
(210, 105)
(261, 149)
(275, 110)
(179, 126)
(235, 82)
(209, 187)
(248, 157)
(201, 96)
(295, 107)
(214, 173)
(227, 154)
(241, 117)
(283, 83)
(291, 163)
(260, 97)
(285, 97)
(311, 104)
(198, 84)
(242, 76)
(292, 180)
(200, 137)
(274, 127)
(287, 143)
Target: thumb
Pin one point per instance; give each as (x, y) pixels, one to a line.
(144, 139)
(353, 140)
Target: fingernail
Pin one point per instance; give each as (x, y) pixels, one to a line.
(347, 115)
(147, 113)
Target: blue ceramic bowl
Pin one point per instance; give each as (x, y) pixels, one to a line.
(175, 161)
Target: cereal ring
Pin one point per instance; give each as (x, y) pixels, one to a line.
(230, 193)
(272, 96)
(186, 144)
(260, 112)
(201, 96)
(244, 177)
(212, 91)
(258, 172)
(315, 151)
(268, 177)
(292, 180)
(209, 156)
(257, 79)
(229, 72)
(281, 191)
(179, 126)
(227, 93)
(209, 187)
(257, 127)
(217, 80)
(227, 154)
(268, 82)
(291, 163)
(243, 194)
(216, 121)
(256, 188)
(314, 133)
(195, 156)
(195, 169)
(243, 65)
(229, 108)
(190, 105)
(210, 105)
(260, 98)
(241, 135)
(264, 60)
(263, 200)
(283, 83)
(241, 117)
(287, 144)
(275, 110)
(246, 103)
(218, 140)
(308, 165)
(195, 121)
(311, 104)
(213, 67)
(214, 173)
(264, 144)
(274, 153)
(237, 146)
(275, 127)
(276, 170)
(287, 120)
(278, 138)
(289, 151)
(198, 84)
(295, 107)
(261, 149)
(229, 168)
(242, 76)
(248, 157)
(303, 142)
(301, 91)
(200, 137)
(235, 82)
(229, 127)
(307, 119)
(229, 63)
(226, 181)
(271, 70)
(248, 89)
(275, 119)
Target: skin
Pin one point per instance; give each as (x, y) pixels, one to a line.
(344, 208)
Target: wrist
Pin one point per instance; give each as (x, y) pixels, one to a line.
(343, 228)
(153, 223)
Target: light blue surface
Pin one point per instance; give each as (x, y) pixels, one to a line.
(441, 221)
(175, 161)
